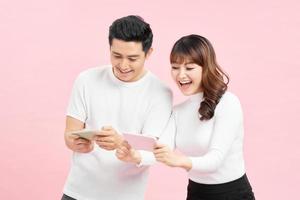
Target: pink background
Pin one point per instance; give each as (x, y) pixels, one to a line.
(45, 44)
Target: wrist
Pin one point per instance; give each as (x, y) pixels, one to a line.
(185, 163)
(137, 158)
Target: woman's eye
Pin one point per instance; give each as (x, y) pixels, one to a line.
(174, 68)
(189, 68)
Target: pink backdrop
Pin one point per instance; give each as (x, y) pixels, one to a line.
(45, 44)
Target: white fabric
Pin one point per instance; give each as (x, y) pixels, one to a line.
(215, 146)
(100, 99)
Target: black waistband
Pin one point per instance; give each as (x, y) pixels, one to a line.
(241, 183)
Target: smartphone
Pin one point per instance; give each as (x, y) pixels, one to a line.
(85, 133)
(140, 142)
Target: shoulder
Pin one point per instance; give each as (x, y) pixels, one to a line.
(93, 72)
(229, 103)
(157, 86)
(229, 98)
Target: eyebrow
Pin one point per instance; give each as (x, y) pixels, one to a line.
(185, 64)
(190, 62)
(129, 56)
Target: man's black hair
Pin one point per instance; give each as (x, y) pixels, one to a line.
(131, 28)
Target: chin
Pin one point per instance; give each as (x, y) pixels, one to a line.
(129, 79)
(124, 78)
(188, 93)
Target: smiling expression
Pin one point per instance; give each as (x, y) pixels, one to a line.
(187, 76)
(127, 59)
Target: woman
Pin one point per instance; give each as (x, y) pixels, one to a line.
(209, 126)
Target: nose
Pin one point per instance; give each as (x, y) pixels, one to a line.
(123, 64)
(181, 73)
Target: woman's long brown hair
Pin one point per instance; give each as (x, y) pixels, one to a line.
(199, 50)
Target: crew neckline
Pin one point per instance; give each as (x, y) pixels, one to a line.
(198, 96)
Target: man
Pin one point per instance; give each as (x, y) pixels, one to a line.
(116, 99)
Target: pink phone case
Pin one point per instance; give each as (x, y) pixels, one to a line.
(140, 142)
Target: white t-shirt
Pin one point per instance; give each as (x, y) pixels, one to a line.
(100, 99)
(214, 146)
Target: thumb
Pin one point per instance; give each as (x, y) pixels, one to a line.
(159, 145)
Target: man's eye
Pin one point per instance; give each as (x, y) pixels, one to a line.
(117, 56)
(132, 59)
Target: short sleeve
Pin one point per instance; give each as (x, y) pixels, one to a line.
(77, 103)
(158, 114)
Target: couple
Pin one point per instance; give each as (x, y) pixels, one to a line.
(125, 97)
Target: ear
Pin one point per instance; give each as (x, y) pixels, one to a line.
(149, 53)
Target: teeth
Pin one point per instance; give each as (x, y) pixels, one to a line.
(185, 82)
(124, 71)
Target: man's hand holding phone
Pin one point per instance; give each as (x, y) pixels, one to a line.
(78, 144)
(108, 138)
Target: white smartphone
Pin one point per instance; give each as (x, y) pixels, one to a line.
(85, 133)
(140, 142)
